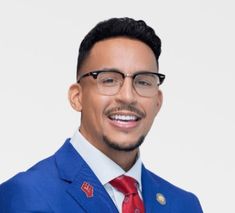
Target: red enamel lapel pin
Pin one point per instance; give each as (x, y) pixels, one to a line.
(87, 189)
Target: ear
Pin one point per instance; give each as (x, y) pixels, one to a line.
(75, 97)
(159, 100)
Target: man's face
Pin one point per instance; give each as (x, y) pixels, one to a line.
(121, 121)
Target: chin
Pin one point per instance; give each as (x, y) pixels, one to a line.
(123, 147)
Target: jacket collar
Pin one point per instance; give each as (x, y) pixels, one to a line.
(84, 186)
(74, 170)
(153, 193)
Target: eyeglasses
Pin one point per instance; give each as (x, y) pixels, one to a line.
(109, 82)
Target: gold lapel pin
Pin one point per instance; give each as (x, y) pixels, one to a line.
(161, 198)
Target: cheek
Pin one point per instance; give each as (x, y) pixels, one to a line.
(94, 104)
(151, 109)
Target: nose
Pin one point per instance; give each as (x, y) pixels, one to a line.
(127, 93)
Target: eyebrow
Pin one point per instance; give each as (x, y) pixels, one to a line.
(110, 69)
(118, 70)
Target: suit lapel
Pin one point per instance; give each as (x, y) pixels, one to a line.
(84, 187)
(87, 190)
(153, 195)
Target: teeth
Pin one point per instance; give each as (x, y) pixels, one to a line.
(124, 117)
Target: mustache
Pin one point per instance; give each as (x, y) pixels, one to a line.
(127, 107)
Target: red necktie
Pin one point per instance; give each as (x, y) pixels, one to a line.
(128, 186)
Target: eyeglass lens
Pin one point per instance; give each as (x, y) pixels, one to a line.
(145, 84)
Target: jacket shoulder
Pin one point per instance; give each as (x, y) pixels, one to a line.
(22, 192)
(180, 200)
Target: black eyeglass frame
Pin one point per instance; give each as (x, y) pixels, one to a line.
(95, 74)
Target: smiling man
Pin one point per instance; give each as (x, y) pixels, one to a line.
(99, 169)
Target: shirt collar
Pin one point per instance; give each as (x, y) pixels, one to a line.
(107, 169)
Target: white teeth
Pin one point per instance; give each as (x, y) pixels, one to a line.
(124, 117)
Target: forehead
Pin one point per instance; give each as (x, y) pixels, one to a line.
(128, 55)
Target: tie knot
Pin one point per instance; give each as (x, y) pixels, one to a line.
(125, 184)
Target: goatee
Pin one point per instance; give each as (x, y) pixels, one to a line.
(126, 148)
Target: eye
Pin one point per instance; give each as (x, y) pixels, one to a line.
(145, 80)
(143, 83)
(109, 79)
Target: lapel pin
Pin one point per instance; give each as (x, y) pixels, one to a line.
(87, 189)
(161, 199)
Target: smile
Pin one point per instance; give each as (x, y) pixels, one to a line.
(125, 118)
(124, 121)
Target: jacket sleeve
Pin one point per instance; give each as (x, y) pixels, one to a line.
(20, 196)
(196, 204)
(186, 204)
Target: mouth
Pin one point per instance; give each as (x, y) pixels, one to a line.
(124, 117)
(124, 121)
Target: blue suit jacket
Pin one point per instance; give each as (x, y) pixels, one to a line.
(55, 185)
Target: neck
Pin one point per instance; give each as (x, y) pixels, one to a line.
(124, 159)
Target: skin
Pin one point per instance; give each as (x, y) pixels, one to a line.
(128, 56)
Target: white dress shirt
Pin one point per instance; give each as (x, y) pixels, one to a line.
(107, 169)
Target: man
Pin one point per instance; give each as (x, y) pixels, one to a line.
(99, 169)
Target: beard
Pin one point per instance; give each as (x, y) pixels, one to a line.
(125, 148)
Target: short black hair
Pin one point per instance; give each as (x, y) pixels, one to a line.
(115, 27)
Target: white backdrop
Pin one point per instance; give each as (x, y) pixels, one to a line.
(192, 141)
